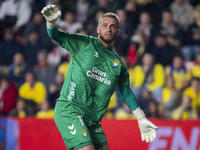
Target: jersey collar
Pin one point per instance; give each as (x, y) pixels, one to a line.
(102, 46)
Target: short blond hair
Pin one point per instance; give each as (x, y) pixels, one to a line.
(110, 15)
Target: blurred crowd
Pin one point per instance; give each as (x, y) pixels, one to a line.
(159, 42)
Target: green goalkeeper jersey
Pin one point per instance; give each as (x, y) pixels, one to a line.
(93, 74)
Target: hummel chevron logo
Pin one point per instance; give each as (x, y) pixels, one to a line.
(72, 128)
(96, 54)
(74, 132)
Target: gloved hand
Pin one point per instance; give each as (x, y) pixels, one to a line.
(51, 15)
(147, 128)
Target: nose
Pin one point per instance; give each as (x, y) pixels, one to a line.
(109, 28)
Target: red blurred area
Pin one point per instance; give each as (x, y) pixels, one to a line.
(39, 134)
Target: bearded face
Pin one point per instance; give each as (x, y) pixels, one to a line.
(108, 30)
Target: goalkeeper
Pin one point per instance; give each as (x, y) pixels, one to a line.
(94, 72)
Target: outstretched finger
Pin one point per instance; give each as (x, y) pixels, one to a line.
(154, 134)
(54, 9)
(147, 137)
(46, 11)
(58, 14)
(142, 136)
(43, 10)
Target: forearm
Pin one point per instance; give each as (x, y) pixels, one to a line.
(147, 128)
(131, 102)
(55, 34)
(129, 97)
(52, 15)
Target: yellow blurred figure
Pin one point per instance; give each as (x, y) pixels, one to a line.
(196, 68)
(63, 68)
(185, 111)
(45, 111)
(32, 89)
(179, 72)
(194, 93)
(112, 105)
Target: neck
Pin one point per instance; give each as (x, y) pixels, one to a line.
(168, 23)
(146, 24)
(32, 85)
(43, 66)
(107, 45)
(147, 65)
(196, 90)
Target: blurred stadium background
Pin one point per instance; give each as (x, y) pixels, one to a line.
(159, 42)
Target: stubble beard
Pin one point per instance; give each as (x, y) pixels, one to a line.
(106, 41)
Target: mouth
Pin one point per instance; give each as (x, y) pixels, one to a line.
(108, 35)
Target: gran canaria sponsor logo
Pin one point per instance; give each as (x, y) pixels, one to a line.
(98, 75)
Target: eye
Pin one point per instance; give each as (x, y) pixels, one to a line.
(113, 26)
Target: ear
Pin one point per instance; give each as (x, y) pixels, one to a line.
(98, 30)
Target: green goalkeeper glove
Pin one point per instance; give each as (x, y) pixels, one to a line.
(147, 128)
(51, 15)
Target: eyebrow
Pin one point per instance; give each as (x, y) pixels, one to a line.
(110, 24)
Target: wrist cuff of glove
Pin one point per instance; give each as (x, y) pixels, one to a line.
(51, 25)
(139, 114)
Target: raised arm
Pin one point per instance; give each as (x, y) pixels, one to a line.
(52, 15)
(147, 128)
(71, 42)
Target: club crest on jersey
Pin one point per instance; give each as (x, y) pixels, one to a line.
(84, 133)
(115, 63)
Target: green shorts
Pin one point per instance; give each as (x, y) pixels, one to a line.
(74, 128)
